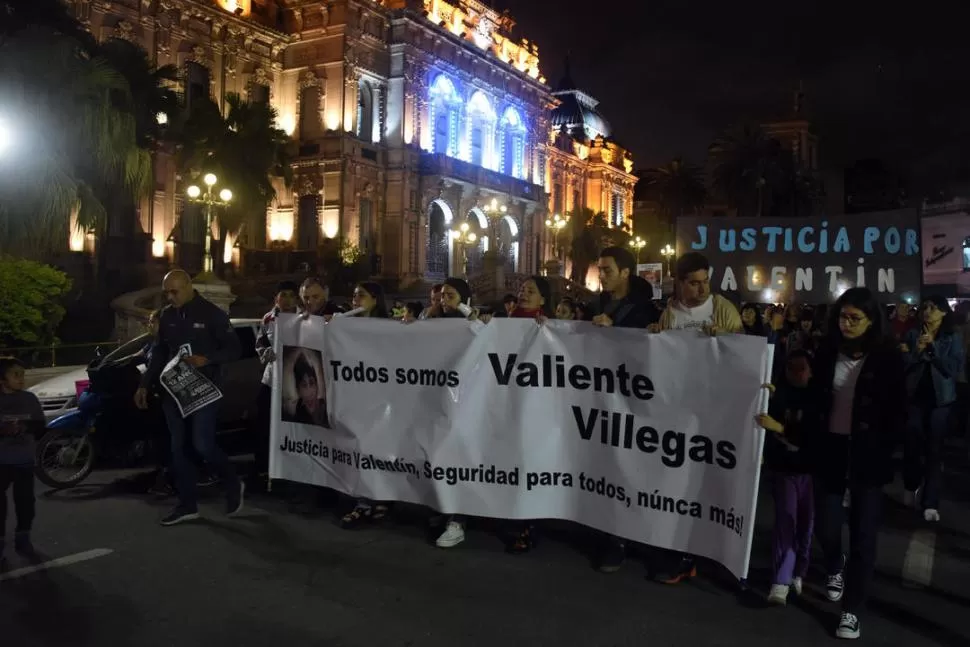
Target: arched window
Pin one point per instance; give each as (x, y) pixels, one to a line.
(512, 143)
(481, 126)
(445, 105)
(365, 111)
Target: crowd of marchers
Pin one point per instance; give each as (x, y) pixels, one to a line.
(848, 388)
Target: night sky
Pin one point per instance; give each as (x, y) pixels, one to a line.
(884, 80)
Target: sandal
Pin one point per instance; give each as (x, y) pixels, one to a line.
(378, 513)
(356, 518)
(523, 542)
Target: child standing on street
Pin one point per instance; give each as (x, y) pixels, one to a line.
(792, 484)
(21, 418)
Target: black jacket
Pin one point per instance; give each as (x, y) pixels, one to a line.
(203, 326)
(791, 406)
(635, 310)
(878, 418)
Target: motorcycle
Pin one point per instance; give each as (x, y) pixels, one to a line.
(106, 426)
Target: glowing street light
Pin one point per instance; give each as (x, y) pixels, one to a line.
(208, 201)
(556, 224)
(667, 252)
(6, 136)
(464, 238)
(637, 244)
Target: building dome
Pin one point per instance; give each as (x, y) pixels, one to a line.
(577, 110)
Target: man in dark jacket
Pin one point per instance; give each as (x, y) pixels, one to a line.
(626, 302)
(626, 298)
(192, 325)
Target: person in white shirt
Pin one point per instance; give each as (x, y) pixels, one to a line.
(694, 306)
(287, 297)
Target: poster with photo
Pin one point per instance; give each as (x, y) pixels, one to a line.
(652, 273)
(304, 387)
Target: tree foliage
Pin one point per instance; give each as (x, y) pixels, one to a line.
(678, 187)
(72, 138)
(759, 177)
(32, 294)
(244, 149)
(586, 235)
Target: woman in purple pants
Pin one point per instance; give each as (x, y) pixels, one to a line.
(791, 482)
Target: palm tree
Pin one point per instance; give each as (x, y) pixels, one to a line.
(678, 188)
(245, 149)
(151, 89)
(588, 234)
(747, 168)
(61, 107)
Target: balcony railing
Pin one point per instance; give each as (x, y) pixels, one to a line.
(441, 164)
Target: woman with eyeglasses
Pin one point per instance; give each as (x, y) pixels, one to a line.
(857, 416)
(934, 357)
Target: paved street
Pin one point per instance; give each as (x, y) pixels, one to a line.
(279, 577)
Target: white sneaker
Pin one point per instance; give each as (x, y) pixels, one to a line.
(453, 535)
(848, 627)
(778, 594)
(931, 514)
(796, 585)
(834, 586)
(909, 498)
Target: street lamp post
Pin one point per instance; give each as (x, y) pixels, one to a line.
(208, 201)
(465, 238)
(637, 244)
(667, 252)
(556, 224)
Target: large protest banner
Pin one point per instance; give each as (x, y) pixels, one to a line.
(646, 436)
(809, 260)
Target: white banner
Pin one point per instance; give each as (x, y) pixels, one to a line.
(646, 436)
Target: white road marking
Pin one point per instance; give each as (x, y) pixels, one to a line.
(57, 563)
(920, 554)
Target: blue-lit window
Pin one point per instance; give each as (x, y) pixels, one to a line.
(512, 143)
(445, 105)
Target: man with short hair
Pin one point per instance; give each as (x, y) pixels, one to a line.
(433, 310)
(626, 298)
(193, 324)
(315, 298)
(624, 303)
(286, 300)
(693, 306)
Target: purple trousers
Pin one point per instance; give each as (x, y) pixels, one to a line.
(791, 540)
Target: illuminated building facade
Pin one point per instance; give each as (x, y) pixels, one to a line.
(585, 167)
(410, 117)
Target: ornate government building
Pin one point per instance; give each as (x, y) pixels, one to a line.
(409, 118)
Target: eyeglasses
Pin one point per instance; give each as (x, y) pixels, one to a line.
(852, 320)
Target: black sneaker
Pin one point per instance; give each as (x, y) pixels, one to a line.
(179, 516)
(613, 556)
(848, 626)
(23, 545)
(834, 586)
(234, 502)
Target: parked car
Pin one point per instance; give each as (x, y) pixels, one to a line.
(240, 380)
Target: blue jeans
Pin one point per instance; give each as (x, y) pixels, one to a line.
(202, 425)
